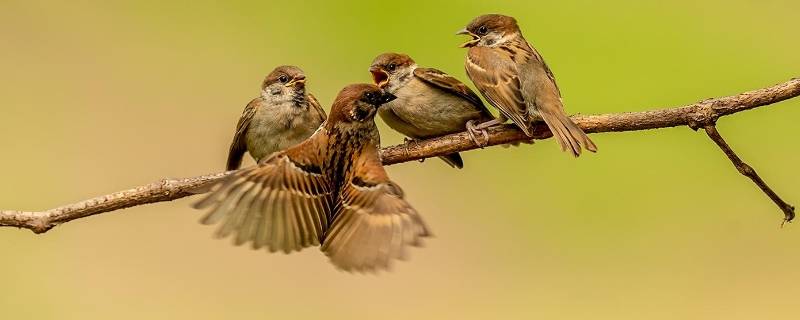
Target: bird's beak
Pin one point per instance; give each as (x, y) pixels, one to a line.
(298, 81)
(471, 42)
(387, 97)
(380, 77)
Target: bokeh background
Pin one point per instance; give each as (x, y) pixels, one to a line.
(100, 96)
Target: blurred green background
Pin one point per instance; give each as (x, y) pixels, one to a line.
(99, 96)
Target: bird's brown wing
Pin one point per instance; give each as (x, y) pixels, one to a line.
(373, 224)
(495, 76)
(283, 203)
(239, 144)
(312, 100)
(451, 85)
(539, 89)
(538, 57)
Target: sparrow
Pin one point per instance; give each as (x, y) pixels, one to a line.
(283, 116)
(329, 190)
(514, 78)
(430, 103)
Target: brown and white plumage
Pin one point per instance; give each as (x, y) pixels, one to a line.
(450, 84)
(283, 204)
(515, 79)
(430, 103)
(283, 116)
(371, 213)
(331, 189)
(499, 83)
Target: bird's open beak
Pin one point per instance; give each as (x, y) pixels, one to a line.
(471, 42)
(298, 81)
(380, 77)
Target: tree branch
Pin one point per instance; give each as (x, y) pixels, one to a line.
(163, 190)
(703, 114)
(748, 171)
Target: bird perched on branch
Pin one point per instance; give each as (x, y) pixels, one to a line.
(283, 116)
(514, 78)
(430, 103)
(331, 189)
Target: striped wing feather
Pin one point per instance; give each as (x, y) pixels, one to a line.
(283, 204)
(373, 224)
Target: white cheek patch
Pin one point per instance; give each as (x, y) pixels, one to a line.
(498, 41)
(401, 80)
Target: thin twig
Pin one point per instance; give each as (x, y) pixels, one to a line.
(696, 115)
(748, 171)
(163, 190)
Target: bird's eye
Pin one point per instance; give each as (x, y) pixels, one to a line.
(283, 79)
(482, 30)
(370, 96)
(391, 67)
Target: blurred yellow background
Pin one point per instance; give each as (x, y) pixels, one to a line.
(99, 96)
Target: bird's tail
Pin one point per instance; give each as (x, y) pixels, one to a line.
(567, 133)
(454, 160)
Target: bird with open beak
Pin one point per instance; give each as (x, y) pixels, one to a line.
(283, 116)
(514, 78)
(430, 103)
(330, 190)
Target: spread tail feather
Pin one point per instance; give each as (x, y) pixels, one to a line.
(567, 133)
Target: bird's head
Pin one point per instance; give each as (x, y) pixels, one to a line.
(356, 105)
(284, 83)
(490, 30)
(390, 71)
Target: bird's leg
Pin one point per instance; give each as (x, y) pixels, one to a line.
(493, 122)
(472, 130)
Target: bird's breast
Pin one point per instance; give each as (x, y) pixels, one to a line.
(421, 111)
(279, 127)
